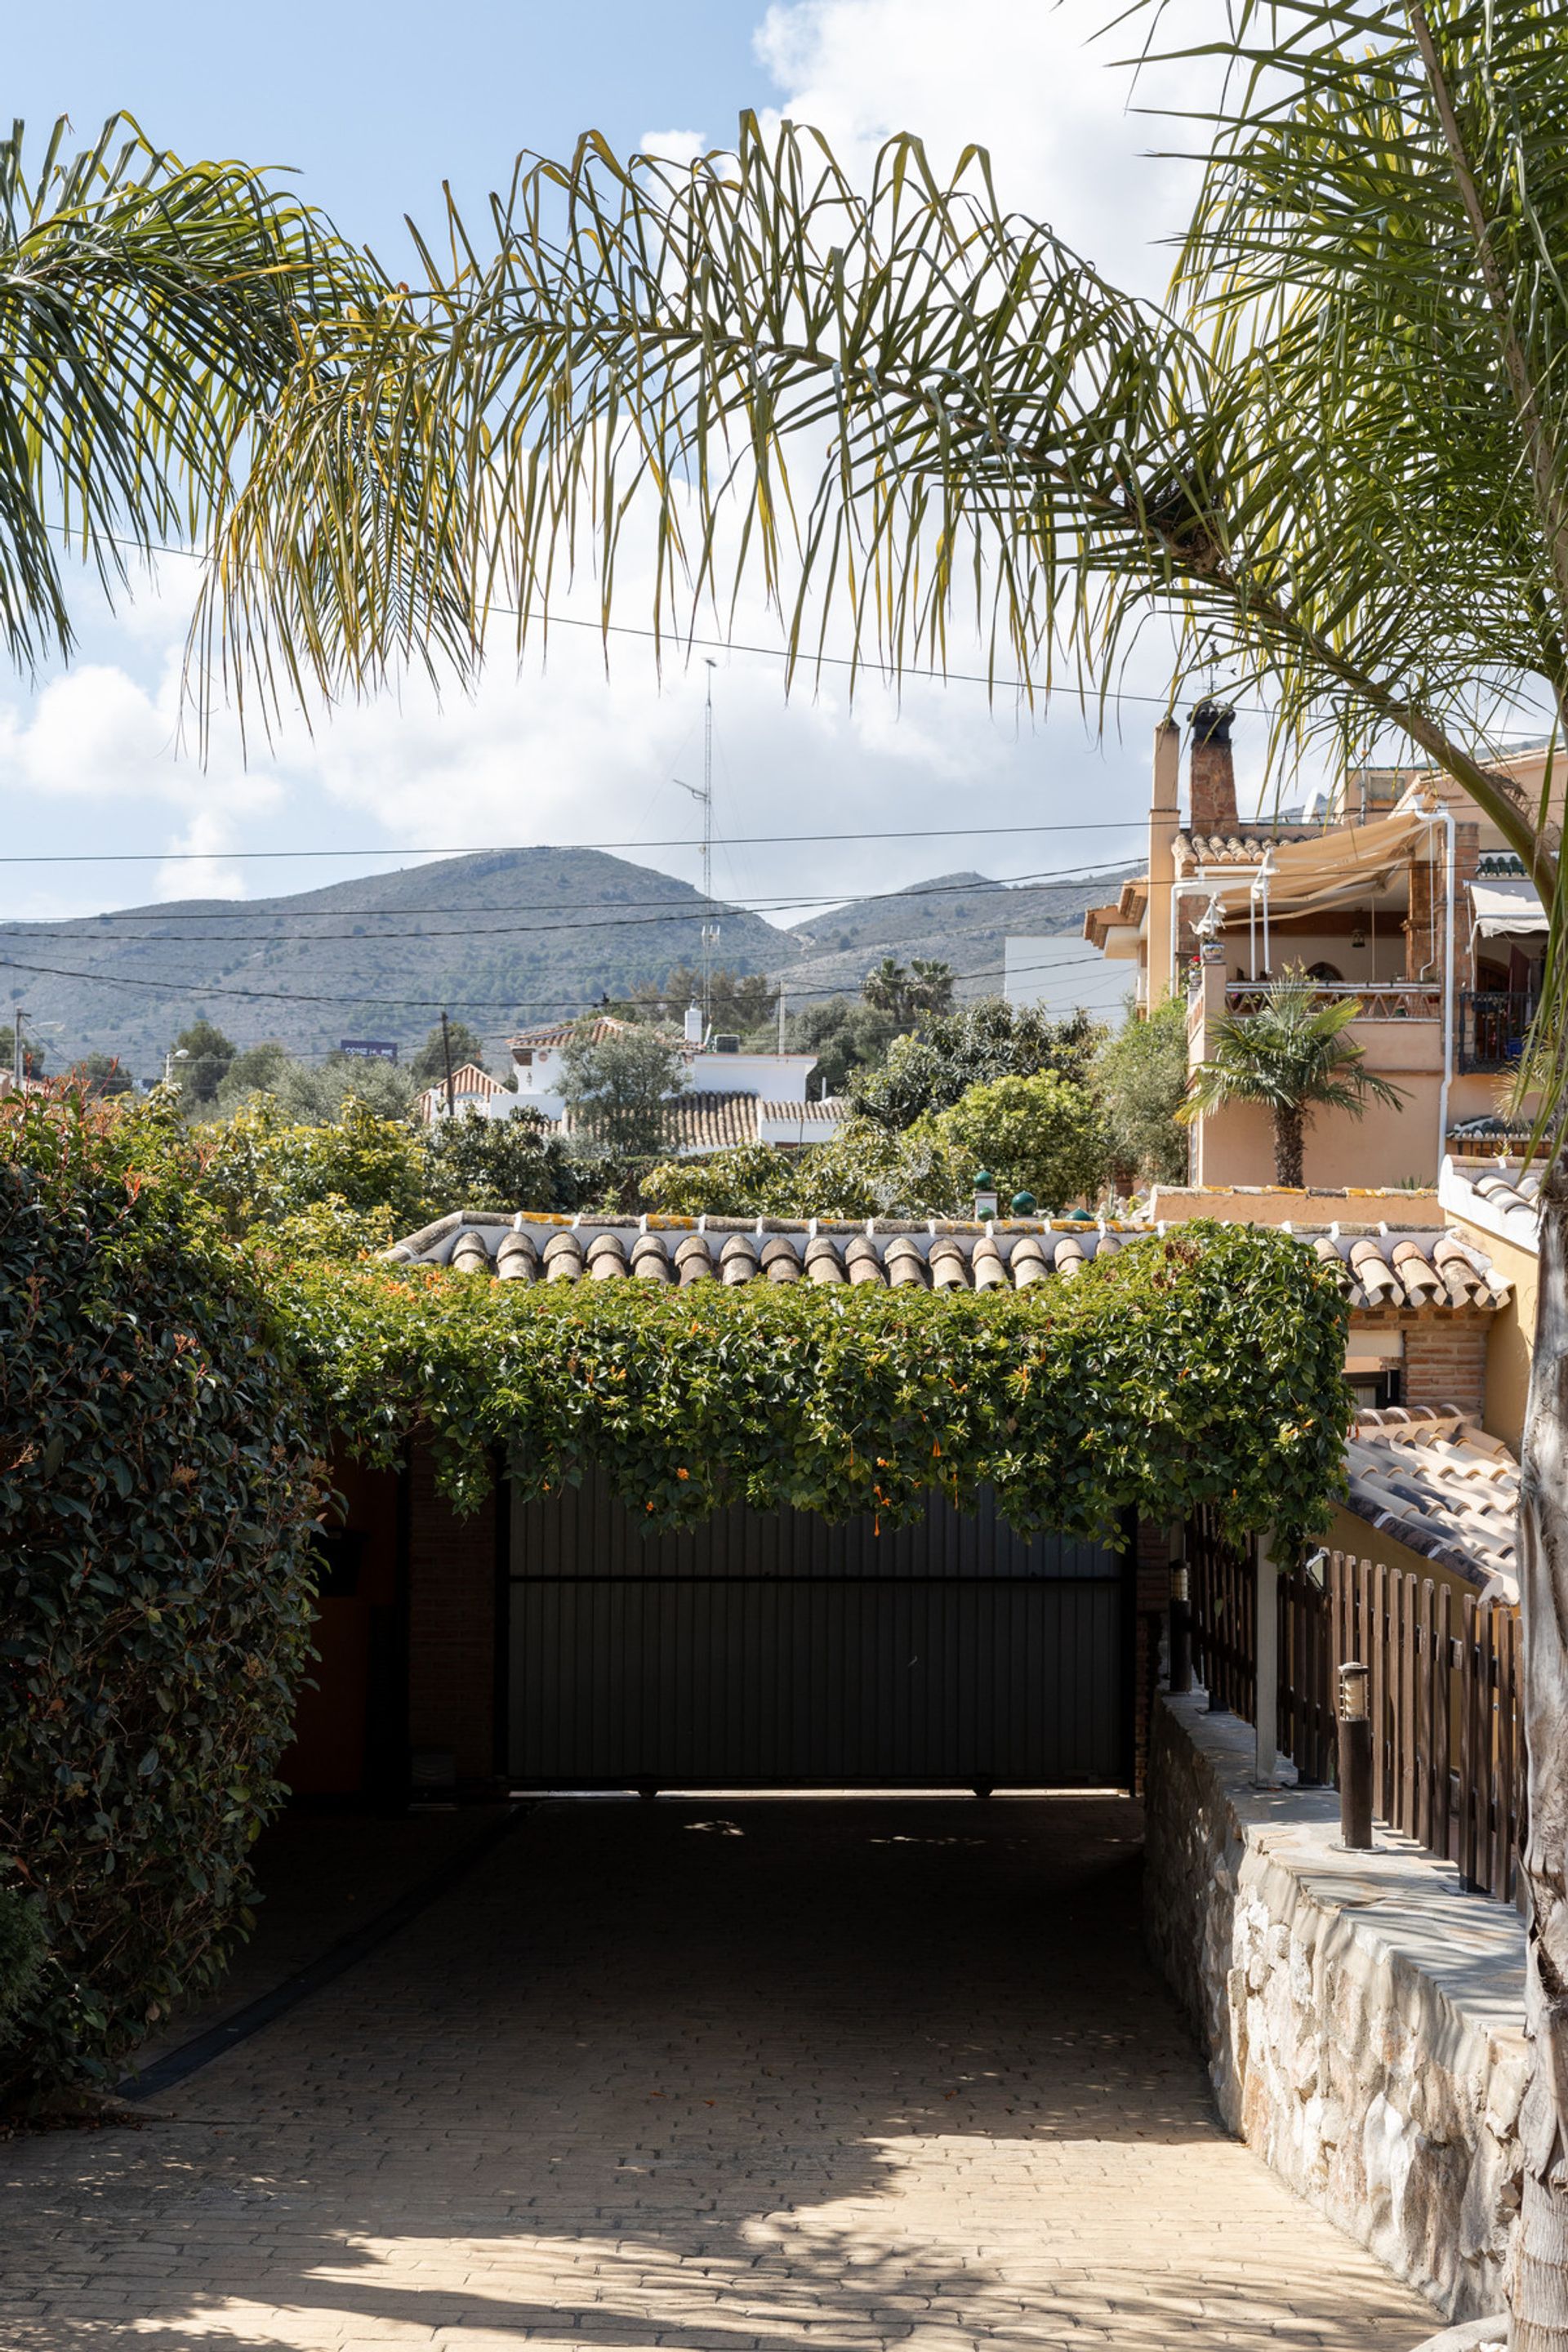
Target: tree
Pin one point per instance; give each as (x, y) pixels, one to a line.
(100, 1074)
(1292, 1056)
(925, 987)
(474, 1162)
(1139, 1075)
(845, 1035)
(1336, 460)
(741, 1000)
(616, 1089)
(1042, 1134)
(209, 1056)
(428, 1066)
(988, 1040)
(188, 353)
(864, 1172)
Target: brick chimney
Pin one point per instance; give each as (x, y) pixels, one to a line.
(1213, 771)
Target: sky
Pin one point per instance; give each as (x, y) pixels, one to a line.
(374, 108)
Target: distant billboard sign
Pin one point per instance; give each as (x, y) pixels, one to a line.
(370, 1049)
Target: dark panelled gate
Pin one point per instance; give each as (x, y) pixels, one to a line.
(776, 1651)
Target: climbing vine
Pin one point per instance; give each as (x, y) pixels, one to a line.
(1203, 1367)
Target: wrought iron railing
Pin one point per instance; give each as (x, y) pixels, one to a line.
(1490, 1027)
(1382, 1000)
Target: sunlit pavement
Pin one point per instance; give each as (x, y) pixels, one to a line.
(708, 2075)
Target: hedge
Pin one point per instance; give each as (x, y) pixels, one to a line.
(157, 1494)
(1205, 1366)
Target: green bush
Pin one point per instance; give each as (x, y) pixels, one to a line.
(1042, 1134)
(24, 1948)
(157, 1493)
(1205, 1366)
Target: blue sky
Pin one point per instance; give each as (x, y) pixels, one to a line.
(374, 106)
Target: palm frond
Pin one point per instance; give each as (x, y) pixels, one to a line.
(179, 343)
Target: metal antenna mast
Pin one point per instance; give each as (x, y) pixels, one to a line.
(705, 796)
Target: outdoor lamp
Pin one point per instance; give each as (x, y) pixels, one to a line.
(985, 1196)
(1023, 1204)
(1353, 1692)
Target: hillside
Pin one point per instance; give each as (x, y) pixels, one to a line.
(501, 938)
(959, 919)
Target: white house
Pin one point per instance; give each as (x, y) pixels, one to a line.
(728, 1097)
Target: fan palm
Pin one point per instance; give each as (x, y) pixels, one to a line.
(1292, 1055)
(1337, 457)
(189, 354)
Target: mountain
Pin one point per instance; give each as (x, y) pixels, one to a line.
(501, 938)
(958, 919)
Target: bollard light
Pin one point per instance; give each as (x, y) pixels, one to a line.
(1356, 1759)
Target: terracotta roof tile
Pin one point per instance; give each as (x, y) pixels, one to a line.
(1439, 1485)
(1426, 1273)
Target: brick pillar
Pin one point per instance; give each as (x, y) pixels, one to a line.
(1211, 773)
(1446, 1362)
(1151, 1598)
(452, 1611)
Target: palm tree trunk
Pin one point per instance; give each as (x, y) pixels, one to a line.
(1539, 2284)
(1289, 1138)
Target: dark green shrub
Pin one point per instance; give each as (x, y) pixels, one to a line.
(23, 1951)
(157, 1490)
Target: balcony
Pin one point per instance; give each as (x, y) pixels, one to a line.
(1490, 1026)
(1380, 1000)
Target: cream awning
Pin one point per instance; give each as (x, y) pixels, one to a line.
(1508, 910)
(1345, 864)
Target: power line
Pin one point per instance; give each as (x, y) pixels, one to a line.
(681, 911)
(414, 1003)
(533, 848)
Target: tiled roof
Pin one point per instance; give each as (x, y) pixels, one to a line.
(930, 1256)
(1238, 848)
(1500, 1199)
(710, 1122)
(467, 1082)
(563, 1033)
(1422, 1272)
(1439, 1484)
(828, 1111)
(1379, 1268)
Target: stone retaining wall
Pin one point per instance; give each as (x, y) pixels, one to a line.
(1360, 2015)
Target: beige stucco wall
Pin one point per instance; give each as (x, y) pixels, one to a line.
(1363, 1541)
(1277, 1204)
(1512, 1335)
(1386, 1147)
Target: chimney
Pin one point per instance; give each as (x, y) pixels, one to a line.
(1213, 771)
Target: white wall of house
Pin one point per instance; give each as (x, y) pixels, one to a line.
(777, 1077)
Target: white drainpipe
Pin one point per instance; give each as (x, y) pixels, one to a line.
(1446, 818)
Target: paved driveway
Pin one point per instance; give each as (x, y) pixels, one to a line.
(703, 2076)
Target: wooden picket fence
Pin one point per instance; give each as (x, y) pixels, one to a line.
(1444, 1693)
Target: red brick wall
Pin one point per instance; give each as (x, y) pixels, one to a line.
(451, 1627)
(1446, 1362)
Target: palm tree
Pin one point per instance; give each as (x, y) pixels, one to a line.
(189, 355)
(1292, 1055)
(885, 989)
(1337, 457)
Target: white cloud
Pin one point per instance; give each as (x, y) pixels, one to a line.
(673, 146)
(1037, 86)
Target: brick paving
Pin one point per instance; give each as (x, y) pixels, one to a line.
(706, 2076)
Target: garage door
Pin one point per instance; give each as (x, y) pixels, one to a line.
(776, 1651)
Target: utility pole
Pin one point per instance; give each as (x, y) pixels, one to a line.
(17, 1017)
(781, 1016)
(446, 1057)
(705, 796)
